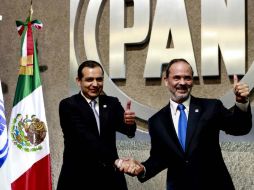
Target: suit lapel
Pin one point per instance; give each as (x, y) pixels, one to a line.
(193, 119)
(103, 107)
(168, 131)
(87, 113)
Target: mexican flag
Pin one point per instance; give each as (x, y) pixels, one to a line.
(29, 153)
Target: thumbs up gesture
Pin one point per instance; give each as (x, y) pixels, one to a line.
(129, 116)
(241, 90)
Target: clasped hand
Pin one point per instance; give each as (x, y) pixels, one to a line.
(129, 166)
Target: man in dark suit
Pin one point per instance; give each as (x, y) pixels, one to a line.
(90, 134)
(195, 163)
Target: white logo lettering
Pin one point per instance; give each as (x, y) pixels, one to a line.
(168, 36)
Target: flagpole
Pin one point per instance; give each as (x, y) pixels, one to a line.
(28, 132)
(31, 10)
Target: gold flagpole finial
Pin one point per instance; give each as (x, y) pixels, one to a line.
(31, 10)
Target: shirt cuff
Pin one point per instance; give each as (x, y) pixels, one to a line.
(143, 174)
(243, 106)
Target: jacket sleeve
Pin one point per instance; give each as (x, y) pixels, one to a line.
(157, 159)
(235, 121)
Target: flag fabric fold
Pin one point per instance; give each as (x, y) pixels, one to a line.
(4, 146)
(29, 153)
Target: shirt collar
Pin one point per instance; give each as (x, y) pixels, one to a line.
(173, 105)
(89, 100)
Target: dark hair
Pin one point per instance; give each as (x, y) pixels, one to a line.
(90, 64)
(175, 61)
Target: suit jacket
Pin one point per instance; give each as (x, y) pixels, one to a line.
(88, 158)
(201, 166)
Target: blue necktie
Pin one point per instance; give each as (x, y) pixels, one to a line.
(96, 114)
(182, 125)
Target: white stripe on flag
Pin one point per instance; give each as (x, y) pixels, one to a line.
(32, 104)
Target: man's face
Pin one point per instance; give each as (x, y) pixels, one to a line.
(179, 81)
(91, 83)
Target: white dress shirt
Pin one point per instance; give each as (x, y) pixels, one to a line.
(176, 113)
(89, 100)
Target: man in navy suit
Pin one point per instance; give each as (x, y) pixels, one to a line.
(197, 164)
(90, 135)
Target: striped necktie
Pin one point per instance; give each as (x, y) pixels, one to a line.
(96, 114)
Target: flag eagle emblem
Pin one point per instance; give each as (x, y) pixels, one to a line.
(28, 132)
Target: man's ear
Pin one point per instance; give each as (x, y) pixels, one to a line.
(78, 81)
(165, 81)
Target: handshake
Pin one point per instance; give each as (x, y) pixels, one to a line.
(129, 166)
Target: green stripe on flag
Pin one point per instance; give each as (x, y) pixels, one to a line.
(28, 83)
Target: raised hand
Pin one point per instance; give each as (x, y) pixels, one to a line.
(129, 166)
(129, 116)
(241, 90)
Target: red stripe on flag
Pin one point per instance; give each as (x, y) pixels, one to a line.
(38, 177)
(20, 31)
(30, 44)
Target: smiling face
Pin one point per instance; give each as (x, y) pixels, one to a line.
(179, 81)
(91, 83)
